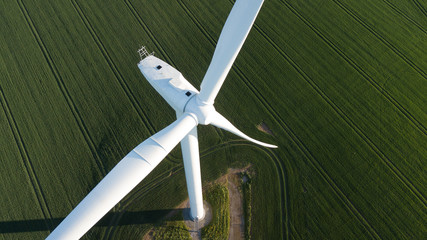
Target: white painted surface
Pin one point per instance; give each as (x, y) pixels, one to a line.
(191, 157)
(167, 81)
(233, 35)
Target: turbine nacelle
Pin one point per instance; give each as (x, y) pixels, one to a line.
(167, 81)
(175, 89)
(184, 97)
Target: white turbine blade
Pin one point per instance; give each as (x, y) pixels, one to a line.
(122, 179)
(220, 121)
(190, 154)
(232, 37)
(191, 157)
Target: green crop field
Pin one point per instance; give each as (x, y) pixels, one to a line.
(342, 86)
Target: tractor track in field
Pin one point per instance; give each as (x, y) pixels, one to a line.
(279, 166)
(125, 87)
(420, 7)
(144, 26)
(301, 146)
(295, 234)
(135, 104)
(61, 85)
(382, 156)
(26, 161)
(368, 27)
(403, 14)
(365, 75)
(387, 162)
(135, 196)
(310, 157)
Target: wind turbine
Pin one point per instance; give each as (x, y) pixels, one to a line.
(192, 108)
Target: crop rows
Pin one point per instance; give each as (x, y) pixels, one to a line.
(64, 91)
(114, 69)
(360, 70)
(347, 119)
(420, 6)
(211, 41)
(390, 164)
(373, 146)
(387, 162)
(32, 175)
(381, 38)
(407, 182)
(119, 77)
(299, 143)
(79, 104)
(403, 14)
(46, 52)
(26, 159)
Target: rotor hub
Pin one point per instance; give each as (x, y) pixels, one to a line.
(203, 112)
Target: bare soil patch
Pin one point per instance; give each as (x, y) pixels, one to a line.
(237, 224)
(264, 128)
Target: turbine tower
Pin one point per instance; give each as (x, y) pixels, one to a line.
(192, 108)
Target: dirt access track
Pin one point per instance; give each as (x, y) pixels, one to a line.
(237, 221)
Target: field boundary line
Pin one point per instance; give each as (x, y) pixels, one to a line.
(144, 26)
(113, 68)
(420, 6)
(64, 90)
(380, 37)
(403, 14)
(365, 75)
(304, 150)
(383, 157)
(26, 160)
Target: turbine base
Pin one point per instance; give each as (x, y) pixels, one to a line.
(197, 223)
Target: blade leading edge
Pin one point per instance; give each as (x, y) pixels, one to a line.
(131, 170)
(231, 40)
